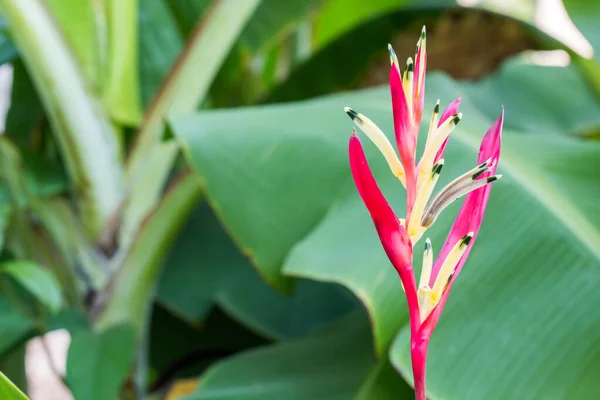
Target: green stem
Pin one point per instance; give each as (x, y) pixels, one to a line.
(87, 139)
(137, 277)
(183, 90)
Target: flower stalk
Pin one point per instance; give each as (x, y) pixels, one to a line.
(398, 236)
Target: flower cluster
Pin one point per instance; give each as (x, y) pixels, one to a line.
(399, 235)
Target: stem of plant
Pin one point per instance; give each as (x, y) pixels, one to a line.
(418, 354)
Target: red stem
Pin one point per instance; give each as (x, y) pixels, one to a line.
(418, 352)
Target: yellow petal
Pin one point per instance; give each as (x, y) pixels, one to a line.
(380, 140)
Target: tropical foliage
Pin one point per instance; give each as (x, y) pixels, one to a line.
(175, 193)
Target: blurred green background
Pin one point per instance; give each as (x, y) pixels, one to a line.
(179, 220)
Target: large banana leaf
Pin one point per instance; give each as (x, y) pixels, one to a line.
(329, 365)
(205, 268)
(522, 320)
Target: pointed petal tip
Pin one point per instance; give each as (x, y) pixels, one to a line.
(393, 57)
(422, 38)
(354, 134)
(465, 240)
(351, 113)
(427, 244)
(437, 168)
(456, 118)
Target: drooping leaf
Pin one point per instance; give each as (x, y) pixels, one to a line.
(331, 364)
(205, 268)
(329, 69)
(456, 36)
(527, 294)
(98, 362)
(338, 17)
(39, 281)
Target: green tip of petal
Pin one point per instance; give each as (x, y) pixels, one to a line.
(351, 113)
(437, 168)
(436, 110)
(427, 244)
(493, 178)
(456, 118)
(466, 239)
(393, 57)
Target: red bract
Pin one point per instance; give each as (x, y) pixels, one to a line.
(398, 236)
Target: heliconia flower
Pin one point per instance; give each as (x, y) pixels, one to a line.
(399, 235)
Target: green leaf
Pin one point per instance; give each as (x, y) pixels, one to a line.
(329, 365)
(98, 362)
(78, 120)
(160, 43)
(7, 49)
(334, 66)
(537, 255)
(205, 268)
(9, 391)
(14, 327)
(329, 69)
(5, 210)
(76, 19)
(338, 17)
(274, 19)
(182, 92)
(120, 90)
(25, 112)
(530, 113)
(39, 281)
(263, 50)
(187, 13)
(384, 383)
(12, 364)
(192, 348)
(583, 15)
